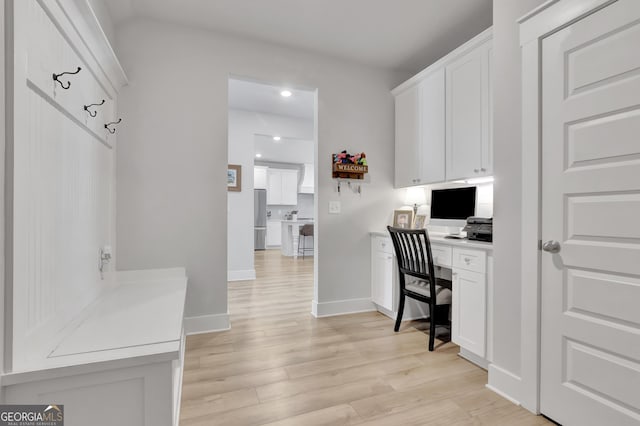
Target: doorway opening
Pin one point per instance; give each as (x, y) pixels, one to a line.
(272, 199)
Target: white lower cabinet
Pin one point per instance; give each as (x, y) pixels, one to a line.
(274, 233)
(382, 270)
(471, 273)
(468, 316)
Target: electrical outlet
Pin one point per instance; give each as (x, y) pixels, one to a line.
(334, 207)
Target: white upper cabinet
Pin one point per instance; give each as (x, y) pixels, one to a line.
(259, 177)
(443, 118)
(282, 187)
(407, 160)
(420, 128)
(432, 128)
(468, 115)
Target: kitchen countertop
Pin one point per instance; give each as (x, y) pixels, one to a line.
(439, 238)
(298, 221)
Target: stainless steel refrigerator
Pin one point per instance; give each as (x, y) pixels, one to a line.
(260, 218)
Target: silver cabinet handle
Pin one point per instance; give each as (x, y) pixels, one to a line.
(551, 246)
(475, 170)
(483, 169)
(467, 260)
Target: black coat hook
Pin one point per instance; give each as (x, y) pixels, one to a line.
(55, 78)
(112, 131)
(93, 113)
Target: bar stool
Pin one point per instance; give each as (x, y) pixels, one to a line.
(305, 231)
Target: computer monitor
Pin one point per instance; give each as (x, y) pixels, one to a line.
(452, 207)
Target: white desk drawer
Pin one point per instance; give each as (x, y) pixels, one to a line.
(441, 255)
(383, 244)
(470, 260)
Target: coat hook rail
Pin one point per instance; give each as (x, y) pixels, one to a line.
(112, 131)
(56, 76)
(92, 113)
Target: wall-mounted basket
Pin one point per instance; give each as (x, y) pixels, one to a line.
(347, 166)
(349, 171)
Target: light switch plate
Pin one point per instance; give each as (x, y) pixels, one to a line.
(334, 207)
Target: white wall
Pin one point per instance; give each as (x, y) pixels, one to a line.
(243, 126)
(172, 154)
(507, 187)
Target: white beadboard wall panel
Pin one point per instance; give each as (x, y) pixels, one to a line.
(63, 183)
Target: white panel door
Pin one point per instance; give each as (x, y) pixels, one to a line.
(407, 160)
(432, 128)
(590, 347)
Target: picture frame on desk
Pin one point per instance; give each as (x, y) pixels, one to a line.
(420, 221)
(402, 218)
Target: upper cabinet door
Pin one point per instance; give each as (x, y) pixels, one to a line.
(467, 116)
(274, 187)
(289, 187)
(259, 177)
(407, 160)
(432, 128)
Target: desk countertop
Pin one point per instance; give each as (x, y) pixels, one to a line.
(439, 238)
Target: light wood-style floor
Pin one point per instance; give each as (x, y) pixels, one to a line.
(280, 366)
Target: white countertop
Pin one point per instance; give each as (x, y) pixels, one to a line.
(298, 221)
(439, 238)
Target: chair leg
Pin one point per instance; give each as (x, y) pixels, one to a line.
(303, 247)
(400, 310)
(432, 326)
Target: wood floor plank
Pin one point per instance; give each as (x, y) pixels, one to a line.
(278, 365)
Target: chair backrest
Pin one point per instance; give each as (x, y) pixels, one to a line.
(413, 252)
(306, 230)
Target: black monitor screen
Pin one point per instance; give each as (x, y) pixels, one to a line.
(456, 203)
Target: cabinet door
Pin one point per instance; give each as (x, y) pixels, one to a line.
(432, 128)
(289, 187)
(274, 187)
(407, 159)
(259, 177)
(466, 116)
(486, 166)
(468, 317)
(274, 233)
(382, 278)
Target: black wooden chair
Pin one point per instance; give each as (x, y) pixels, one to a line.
(413, 251)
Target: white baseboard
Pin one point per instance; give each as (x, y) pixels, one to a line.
(341, 307)
(206, 324)
(242, 275)
(504, 383)
(471, 357)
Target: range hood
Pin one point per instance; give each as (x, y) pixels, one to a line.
(307, 184)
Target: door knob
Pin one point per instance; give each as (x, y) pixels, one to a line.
(551, 246)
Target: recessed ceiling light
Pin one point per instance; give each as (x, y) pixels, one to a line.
(258, 155)
(276, 138)
(286, 93)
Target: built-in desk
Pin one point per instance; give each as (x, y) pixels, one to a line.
(468, 264)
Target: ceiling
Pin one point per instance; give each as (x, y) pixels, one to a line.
(286, 150)
(258, 97)
(403, 35)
